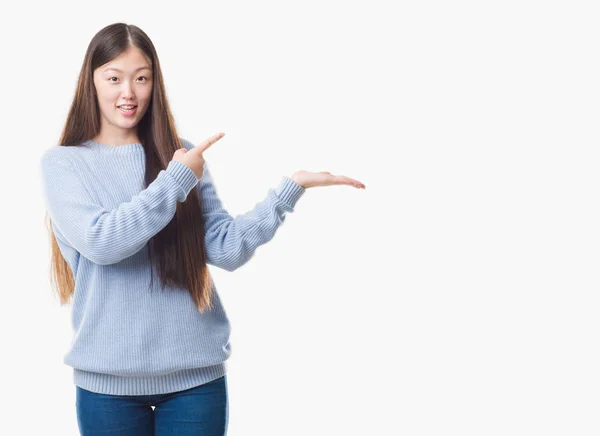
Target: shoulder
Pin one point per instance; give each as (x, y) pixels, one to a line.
(60, 154)
(55, 153)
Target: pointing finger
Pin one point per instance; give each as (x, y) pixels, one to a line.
(204, 145)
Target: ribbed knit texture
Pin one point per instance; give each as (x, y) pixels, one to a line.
(129, 339)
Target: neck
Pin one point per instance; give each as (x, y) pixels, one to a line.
(117, 138)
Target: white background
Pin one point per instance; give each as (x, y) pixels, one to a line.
(456, 295)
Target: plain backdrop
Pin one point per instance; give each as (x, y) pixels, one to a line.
(457, 295)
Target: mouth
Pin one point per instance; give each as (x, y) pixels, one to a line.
(127, 110)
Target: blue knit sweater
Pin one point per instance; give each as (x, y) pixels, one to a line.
(128, 339)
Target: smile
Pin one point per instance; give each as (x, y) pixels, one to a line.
(127, 112)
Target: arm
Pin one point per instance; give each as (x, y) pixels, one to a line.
(109, 236)
(230, 242)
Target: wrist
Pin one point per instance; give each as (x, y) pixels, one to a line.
(296, 179)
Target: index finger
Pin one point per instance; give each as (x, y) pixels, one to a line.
(203, 146)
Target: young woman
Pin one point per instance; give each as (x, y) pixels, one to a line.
(134, 219)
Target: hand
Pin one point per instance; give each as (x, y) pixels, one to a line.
(306, 179)
(193, 158)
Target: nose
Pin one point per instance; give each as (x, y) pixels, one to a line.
(127, 92)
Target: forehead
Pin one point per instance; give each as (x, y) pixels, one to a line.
(132, 60)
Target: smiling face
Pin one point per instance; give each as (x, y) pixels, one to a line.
(126, 80)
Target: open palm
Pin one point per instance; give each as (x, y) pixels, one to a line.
(307, 179)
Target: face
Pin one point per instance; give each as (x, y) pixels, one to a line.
(126, 80)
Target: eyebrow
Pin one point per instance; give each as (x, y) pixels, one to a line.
(116, 69)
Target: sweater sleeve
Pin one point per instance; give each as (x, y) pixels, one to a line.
(109, 236)
(230, 242)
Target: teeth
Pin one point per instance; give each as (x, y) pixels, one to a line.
(126, 107)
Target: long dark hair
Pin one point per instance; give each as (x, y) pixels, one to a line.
(177, 251)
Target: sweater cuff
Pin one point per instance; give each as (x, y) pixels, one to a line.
(183, 175)
(289, 191)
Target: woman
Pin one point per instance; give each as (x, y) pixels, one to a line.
(134, 221)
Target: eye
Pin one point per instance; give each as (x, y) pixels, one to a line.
(141, 77)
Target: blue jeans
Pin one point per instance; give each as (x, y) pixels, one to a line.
(202, 410)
